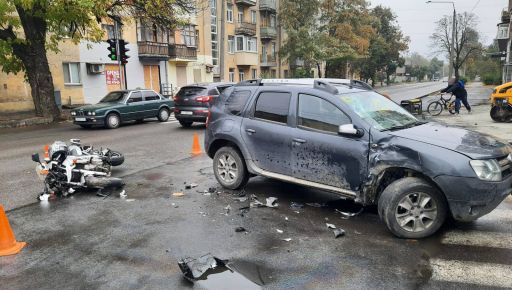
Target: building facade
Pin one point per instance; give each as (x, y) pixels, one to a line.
(505, 43)
(224, 40)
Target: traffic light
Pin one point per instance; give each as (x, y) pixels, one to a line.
(123, 50)
(112, 49)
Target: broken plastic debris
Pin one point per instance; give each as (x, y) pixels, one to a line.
(227, 209)
(296, 205)
(338, 233)
(123, 193)
(279, 231)
(315, 204)
(349, 214)
(130, 199)
(174, 205)
(241, 198)
(178, 194)
(212, 189)
(240, 229)
(330, 226)
(287, 239)
(285, 218)
(270, 202)
(195, 268)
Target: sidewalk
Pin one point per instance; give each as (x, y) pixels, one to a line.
(21, 119)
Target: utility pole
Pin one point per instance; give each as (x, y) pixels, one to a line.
(451, 68)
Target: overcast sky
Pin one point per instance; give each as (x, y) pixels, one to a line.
(417, 19)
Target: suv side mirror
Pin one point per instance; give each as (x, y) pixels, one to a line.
(35, 158)
(350, 130)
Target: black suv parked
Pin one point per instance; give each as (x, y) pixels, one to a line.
(192, 101)
(342, 137)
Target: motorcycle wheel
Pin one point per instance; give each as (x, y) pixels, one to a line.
(115, 158)
(103, 182)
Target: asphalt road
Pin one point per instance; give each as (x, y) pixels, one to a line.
(89, 242)
(144, 145)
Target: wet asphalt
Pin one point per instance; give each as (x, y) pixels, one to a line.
(136, 242)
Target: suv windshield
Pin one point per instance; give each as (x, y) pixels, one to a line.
(378, 111)
(113, 97)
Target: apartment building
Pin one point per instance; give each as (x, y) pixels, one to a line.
(504, 42)
(244, 38)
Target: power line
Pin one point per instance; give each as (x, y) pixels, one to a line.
(474, 7)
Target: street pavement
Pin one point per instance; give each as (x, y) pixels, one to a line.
(90, 242)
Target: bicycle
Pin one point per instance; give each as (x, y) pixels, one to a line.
(436, 108)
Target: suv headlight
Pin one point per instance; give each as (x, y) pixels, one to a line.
(488, 170)
(73, 113)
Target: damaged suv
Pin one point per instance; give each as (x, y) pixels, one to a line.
(340, 136)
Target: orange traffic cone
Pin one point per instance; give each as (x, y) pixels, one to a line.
(8, 244)
(196, 147)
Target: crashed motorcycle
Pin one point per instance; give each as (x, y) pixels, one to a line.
(68, 168)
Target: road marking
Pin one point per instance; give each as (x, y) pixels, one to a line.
(479, 238)
(487, 274)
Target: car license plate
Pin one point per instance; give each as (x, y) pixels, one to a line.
(80, 119)
(186, 113)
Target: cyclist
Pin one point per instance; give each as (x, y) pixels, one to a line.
(456, 87)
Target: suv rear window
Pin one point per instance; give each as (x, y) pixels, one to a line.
(273, 106)
(192, 91)
(236, 102)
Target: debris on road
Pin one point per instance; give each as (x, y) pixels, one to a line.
(130, 199)
(287, 239)
(178, 194)
(193, 269)
(296, 205)
(315, 204)
(212, 189)
(123, 193)
(285, 218)
(191, 185)
(174, 205)
(347, 215)
(279, 231)
(227, 210)
(270, 202)
(338, 233)
(44, 197)
(241, 198)
(240, 229)
(330, 226)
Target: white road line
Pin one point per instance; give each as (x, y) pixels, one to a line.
(486, 274)
(479, 238)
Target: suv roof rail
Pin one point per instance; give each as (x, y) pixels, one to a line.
(254, 82)
(325, 86)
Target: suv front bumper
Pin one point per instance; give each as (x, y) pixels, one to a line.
(470, 198)
(89, 120)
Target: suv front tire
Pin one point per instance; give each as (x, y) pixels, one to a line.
(412, 208)
(229, 168)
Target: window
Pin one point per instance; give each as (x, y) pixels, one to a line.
(71, 73)
(135, 97)
(241, 76)
(240, 16)
(246, 43)
(148, 31)
(188, 33)
(240, 43)
(150, 96)
(253, 16)
(236, 102)
(109, 30)
(273, 106)
(229, 15)
(272, 21)
(232, 75)
(319, 114)
(251, 44)
(254, 74)
(231, 44)
(197, 39)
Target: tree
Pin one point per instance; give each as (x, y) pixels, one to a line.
(435, 67)
(31, 28)
(466, 43)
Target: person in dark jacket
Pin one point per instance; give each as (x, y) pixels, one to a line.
(456, 87)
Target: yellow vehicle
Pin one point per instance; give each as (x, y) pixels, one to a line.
(501, 103)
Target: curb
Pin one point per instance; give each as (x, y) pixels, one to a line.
(25, 122)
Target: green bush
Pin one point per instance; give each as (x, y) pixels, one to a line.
(491, 79)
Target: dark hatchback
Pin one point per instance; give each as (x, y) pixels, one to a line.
(192, 101)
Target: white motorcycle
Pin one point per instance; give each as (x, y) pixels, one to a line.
(68, 168)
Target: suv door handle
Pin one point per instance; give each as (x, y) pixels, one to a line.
(297, 140)
(250, 131)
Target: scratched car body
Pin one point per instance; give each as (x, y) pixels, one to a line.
(342, 137)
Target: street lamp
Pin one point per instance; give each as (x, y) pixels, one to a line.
(454, 23)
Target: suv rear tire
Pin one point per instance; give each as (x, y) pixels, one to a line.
(412, 208)
(229, 168)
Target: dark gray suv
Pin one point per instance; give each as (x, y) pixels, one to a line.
(342, 137)
(192, 101)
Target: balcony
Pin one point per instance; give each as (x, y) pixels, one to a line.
(268, 5)
(245, 28)
(268, 32)
(181, 52)
(505, 16)
(246, 2)
(268, 60)
(503, 36)
(153, 50)
(244, 58)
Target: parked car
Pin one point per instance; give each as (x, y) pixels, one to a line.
(349, 140)
(192, 101)
(121, 106)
